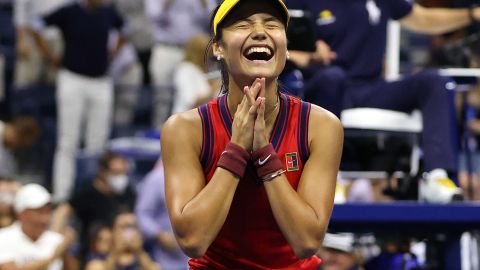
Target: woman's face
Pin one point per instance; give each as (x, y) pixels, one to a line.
(254, 46)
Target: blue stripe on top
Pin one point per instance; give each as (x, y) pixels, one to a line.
(303, 131)
(207, 140)
(225, 115)
(280, 126)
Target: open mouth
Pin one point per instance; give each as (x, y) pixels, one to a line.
(260, 53)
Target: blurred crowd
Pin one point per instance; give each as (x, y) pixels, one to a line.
(75, 75)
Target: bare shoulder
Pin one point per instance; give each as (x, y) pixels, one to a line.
(324, 122)
(182, 127)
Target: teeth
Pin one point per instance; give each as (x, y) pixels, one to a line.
(259, 50)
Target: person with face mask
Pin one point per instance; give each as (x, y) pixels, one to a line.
(100, 200)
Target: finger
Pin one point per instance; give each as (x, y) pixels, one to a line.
(262, 87)
(255, 88)
(261, 110)
(248, 91)
(253, 109)
(241, 106)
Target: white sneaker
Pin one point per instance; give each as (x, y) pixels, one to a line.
(436, 187)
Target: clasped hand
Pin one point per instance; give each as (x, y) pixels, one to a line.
(248, 128)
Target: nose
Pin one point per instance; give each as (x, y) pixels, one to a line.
(259, 32)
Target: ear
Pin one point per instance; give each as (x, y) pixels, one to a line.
(217, 50)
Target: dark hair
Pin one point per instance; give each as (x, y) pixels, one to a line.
(93, 231)
(26, 129)
(209, 51)
(217, 38)
(104, 162)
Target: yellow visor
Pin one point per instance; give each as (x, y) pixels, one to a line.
(228, 5)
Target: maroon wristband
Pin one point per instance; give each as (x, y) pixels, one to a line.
(234, 159)
(266, 161)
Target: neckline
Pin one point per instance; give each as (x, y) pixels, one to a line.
(278, 126)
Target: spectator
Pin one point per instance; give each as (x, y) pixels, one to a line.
(100, 200)
(28, 244)
(154, 223)
(16, 135)
(140, 34)
(338, 252)
(8, 189)
(197, 90)
(174, 22)
(127, 252)
(30, 67)
(101, 239)
(352, 72)
(83, 88)
(136, 57)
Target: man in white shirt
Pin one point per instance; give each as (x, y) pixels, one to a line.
(28, 243)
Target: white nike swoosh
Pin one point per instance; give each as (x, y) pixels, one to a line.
(223, 152)
(261, 162)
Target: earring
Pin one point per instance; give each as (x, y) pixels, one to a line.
(288, 55)
(219, 57)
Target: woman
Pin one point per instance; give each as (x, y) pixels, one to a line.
(273, 212)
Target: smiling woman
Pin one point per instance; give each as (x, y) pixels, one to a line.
(250, 176)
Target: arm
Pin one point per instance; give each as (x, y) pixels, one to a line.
(198, 210)
(22, 47)
(437, 20)
(60, 217)
(303, 215)
(41, 44)
(146, 263)
(323, 55)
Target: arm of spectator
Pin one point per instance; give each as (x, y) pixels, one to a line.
(167, 241)
(22, 47)
(21, 17)
(119, 45)
(136, 245)
(146, 263)
(323, 55)
(42, 45)
(61, 216)
(438, 20)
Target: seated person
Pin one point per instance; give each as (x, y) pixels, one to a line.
(100, 238)
(15, 135)
(154, 222)
(127, 250)
(350, 72)
(28, 243)
(100, 200)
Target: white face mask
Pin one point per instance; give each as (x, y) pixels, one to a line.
(118, 183)
(7, 197)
